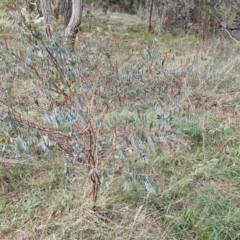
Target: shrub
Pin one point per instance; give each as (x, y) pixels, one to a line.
(80, 104)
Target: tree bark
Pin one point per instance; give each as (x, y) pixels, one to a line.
(150, 17)
(46, 6)
(72, 12)
(66, 10)
(75, 20)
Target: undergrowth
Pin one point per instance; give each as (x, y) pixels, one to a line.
(195, 167)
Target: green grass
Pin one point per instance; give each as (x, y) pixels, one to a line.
(198, 184)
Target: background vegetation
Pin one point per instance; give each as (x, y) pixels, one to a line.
(177, 174)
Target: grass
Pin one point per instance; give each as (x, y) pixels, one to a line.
(197, 183)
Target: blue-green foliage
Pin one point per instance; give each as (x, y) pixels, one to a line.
(78, 103)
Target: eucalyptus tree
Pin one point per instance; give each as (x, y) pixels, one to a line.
(71, 11)
(107, 118)
(150, 16)
(46, 6)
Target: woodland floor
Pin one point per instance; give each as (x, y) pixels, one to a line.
(198, 191)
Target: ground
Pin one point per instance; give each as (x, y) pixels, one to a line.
(197, 184)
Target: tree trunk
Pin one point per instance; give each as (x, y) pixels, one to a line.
(66, 11)
(75, 20)
(64, 8)
(150, 17)
(72, 12)
(46, 6)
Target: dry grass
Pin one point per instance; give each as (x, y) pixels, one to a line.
(198, 186)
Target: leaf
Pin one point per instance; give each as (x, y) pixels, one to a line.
(56, 122)
(45, 148)
(10, 127)
(135, 145)
(147, 53)
(79, 104)
(149, 186)
(47, 117)
(103, 180)
(159, 108)
(175, 102)
(144, 158)
(175, 135)
(162, 139)
(97, 123)
(127, 186)
(151, 143)
(142, 136)
(3, 116)
(139, 178)
(68, 184)
(94, 170)
(86, 88)
(162, 123)
(105, 176)
(81, 160)
(99, 146)
(82, 117)
(2, 147)
(70, 131)
(193, 119)
(24, 144)
(122, 155)
(125, 141)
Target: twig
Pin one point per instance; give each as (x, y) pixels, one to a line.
(234, 39)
